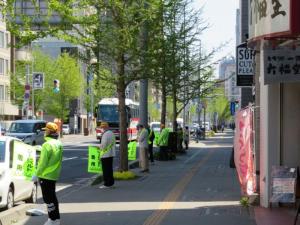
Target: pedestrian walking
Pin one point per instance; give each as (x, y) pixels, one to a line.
(143, 148)
(151, 137)
(48, 171)
(107, 154)
(186, 137)
(179, 139)
(163, 143)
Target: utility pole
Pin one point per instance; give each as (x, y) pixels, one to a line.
(199, 91)
(144, 82)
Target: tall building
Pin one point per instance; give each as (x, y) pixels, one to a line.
(8, 111)
(227, 72)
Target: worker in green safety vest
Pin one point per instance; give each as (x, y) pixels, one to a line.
(48, 171)
(107, 153)
(151, 137)
(163, 143)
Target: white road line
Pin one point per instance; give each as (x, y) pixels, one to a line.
(192, 156)
(67, 159)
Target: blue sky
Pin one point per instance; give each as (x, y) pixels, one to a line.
(221, 16)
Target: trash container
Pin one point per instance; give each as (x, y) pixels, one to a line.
(86, 131)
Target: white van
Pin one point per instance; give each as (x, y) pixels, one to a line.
(17, 165)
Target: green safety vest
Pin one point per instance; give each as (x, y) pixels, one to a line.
(163, 138)
(107, 149)
(49, 165)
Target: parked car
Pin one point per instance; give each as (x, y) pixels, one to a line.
(66, 129)
(14, 185)
(29, 131)
(3, 131)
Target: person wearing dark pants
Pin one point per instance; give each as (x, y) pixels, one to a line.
(49, 197)
(150, 144)
(107, 168)
(48, 171)
(107, 153)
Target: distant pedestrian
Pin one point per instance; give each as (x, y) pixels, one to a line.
(163, 143)
(186, 137)
(151, 137)
(179, 139)
(143, 148)
(48, 171)
(107, 153)
(222, 128)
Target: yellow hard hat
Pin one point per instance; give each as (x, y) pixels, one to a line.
(52, 127)
(103, 125)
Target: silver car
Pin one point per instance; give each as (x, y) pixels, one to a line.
(29, 131)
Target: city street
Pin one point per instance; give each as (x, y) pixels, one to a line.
(197, 188)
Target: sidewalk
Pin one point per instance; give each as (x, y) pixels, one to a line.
(197, 188)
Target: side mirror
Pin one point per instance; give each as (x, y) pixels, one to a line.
(38, 131)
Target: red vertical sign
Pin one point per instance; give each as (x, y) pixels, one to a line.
(243, 151)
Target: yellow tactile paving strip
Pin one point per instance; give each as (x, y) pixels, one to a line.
(157, 216)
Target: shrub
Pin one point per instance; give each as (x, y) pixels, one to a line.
(126, 175)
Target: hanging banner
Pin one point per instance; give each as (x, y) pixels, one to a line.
(132, 150)
(94, 162)
(243, 151)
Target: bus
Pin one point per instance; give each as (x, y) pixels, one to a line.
(108, 110)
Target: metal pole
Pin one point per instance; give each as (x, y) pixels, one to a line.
(27, 82)
(144, 82)
(32, 61)
(204, 119)
(144, 102)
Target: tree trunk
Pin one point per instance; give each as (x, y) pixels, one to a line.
(122, 113)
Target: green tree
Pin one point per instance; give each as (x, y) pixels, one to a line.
(219, 104)
(71, 81)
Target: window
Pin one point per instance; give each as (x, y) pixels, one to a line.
(6, 71)
(2, 40)
(7, 93)
(2, 151)
(1, 92)
(6, 40)
(1, 66)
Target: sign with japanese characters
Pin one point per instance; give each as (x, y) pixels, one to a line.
(244, 65)
(281, 65)
(273, 18)
(283, 184)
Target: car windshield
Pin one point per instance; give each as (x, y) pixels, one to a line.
(21, 128)
(2, 151)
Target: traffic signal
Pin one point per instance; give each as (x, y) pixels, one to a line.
(56, 86)
(236, 104)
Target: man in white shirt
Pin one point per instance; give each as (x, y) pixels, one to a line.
(143, 148)
(107, 153)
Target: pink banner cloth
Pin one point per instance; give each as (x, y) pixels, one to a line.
(243, 151)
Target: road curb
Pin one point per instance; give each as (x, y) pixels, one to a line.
(15, 214)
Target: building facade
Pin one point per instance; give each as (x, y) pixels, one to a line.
(8, 111)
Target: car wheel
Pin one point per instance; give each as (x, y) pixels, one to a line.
(33, 197)
(10, 198)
